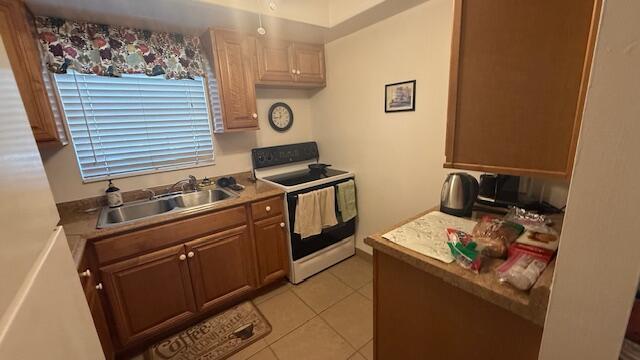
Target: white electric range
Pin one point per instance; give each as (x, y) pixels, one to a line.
(287, 167)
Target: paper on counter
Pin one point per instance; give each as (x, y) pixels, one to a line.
(427, 234)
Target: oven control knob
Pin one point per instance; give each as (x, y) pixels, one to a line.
(268, 208)
(282, 225)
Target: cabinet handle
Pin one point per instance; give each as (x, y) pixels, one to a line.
(99, 286)
(190, 254)
(281, 224)
(85, 273)
(254, 115)
(298, 72)
(268, 208)
(293, 71)
(182, 257)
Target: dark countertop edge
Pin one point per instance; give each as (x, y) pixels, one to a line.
(531, 305)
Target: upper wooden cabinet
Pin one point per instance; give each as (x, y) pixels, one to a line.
(231, 56)
(19, 39)
(519, 73)
(289, 64)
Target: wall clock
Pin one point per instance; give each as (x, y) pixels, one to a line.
(280, 117)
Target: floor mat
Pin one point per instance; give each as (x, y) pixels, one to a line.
(214, 338)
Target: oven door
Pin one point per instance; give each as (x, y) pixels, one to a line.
(329, 236)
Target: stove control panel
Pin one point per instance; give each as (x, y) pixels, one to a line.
(284, 154)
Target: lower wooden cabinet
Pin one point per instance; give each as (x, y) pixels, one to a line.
(271, 248)
(163, 277)
(149, 292)
(221, 267)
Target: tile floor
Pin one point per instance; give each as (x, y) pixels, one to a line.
(329, 316)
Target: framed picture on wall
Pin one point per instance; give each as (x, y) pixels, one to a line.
(400, 96)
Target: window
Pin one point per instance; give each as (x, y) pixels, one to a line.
(135, 124)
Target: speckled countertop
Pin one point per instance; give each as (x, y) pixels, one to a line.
(80, 225)
(531, 305)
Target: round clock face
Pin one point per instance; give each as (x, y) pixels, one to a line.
(280, 116)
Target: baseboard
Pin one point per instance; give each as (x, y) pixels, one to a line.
(364, 255)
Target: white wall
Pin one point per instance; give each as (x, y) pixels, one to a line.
(599, 257)
(397, 157)
(232, 152)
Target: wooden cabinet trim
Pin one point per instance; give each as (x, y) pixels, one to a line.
(156, 237)
(110, 273)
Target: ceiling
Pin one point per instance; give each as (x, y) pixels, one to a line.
(301, 20)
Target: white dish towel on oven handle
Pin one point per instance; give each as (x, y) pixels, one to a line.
(315, 210)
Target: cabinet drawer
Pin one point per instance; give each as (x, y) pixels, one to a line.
(157, 237)
(266, 208)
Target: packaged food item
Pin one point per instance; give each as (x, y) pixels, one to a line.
(530, 220)
(494, 235)
(546, 240)
(521, 270)
(463, 249)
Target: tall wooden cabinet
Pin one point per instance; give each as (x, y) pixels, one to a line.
(231, 56)
(519, 73)
(19, 39)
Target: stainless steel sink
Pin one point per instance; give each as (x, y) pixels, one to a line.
(165, 204)
(198, 198)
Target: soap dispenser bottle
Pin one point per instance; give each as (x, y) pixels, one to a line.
(114, 197)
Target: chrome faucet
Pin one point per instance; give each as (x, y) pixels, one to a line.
(192, 181)
(152, 193)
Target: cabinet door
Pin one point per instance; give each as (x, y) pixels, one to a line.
(275, 61)
(21, 46)
(149, 293)
(271, 249)
(221, 267)
(309, 63)
(517, 84)
(234, 54)
(98, 315)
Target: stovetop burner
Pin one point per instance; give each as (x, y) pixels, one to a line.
(303, 176)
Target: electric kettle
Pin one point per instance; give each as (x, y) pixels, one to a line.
(459, 192)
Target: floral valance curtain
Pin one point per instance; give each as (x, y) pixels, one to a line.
(113, 50)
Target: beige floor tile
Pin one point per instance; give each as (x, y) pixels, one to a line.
(367, 291)
(321, 291)
(249, 350)
(277, 290)
(264, 354)
(284, 312)
(357, 356)
(352, 318)
(314, 340)
(355, 271)
(367, 350)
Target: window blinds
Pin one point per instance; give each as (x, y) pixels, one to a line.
(135, 123)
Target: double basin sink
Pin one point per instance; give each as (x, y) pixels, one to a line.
(162, 205)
